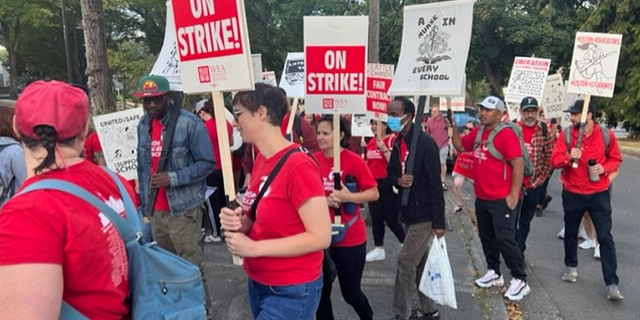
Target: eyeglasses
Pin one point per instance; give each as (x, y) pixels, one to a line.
(468, 129)
(237, 113)
(156, 99)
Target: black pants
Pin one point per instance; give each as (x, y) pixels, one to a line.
(599, 207)
(527, 212)
(217, 201)
(349, 263)
(497, 228)
(542, 195)
(385, 209)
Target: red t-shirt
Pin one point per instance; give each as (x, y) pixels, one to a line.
(213, 136)
(351, 164)
(277, 217)
(375, 158)
(162, 202)
(527, 137)
(54, 227)
(91, 146)
(492, 176)
(464, 165)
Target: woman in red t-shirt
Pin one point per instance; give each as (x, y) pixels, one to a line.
(358, 186)
(55, 247)
(462, 169)
(387, 207)
(282, 244)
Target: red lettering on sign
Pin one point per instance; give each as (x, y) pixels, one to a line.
(335, 69)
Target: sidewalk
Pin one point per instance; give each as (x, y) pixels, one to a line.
(227, 283)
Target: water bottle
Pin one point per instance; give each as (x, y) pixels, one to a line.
(350, 182)
(594, 177)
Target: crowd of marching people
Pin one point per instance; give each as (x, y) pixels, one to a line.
(299, 224)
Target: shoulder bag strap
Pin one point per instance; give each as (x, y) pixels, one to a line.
(272, 175)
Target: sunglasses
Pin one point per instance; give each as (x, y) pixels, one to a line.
(157, 99)
(468, 129)
(237, 113)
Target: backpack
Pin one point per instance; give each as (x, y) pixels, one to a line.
(605, 136)
(528, 164)
(162, 285)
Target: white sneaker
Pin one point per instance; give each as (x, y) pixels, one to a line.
(587, 244)
(596, 253)
(376, 254)
(490, 279)
(517, 290)
(212, 239)
(582, 234)
(561, 234)
(457, 208)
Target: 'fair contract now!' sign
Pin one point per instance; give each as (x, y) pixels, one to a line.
(213, 45)
(335, 64)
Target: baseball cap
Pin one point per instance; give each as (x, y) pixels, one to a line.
(152, 86)
(528, 103)
(200, 105)
(492, 102)
(52, 103)
(578, 105)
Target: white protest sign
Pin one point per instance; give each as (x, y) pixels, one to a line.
(435, 46)
(292, 80)
(118, 135)
(457, 103)
(379, 77)
(528, 77)
(269, 77)
(513, 110)
(167, 64)
(213, 45)
(256, 61)
(335, 64)
(594, 64)
(553, 96)
(361, 125)
(567, 101)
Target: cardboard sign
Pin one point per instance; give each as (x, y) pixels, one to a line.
(212, 45)
(457, 103)
(256, 65)
(528, 78)
(335, 64)
(118, 135)
(435, 46)
(167, 64)
(568, 100)
(361, 125)
(595, 64)
(292, 80)
(379, 78)
(553, 95)
(269, 77)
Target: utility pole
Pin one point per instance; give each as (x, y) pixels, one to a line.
(374, 31)
(67, 52)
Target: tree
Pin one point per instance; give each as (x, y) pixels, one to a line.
(131, 60)
(99, 78)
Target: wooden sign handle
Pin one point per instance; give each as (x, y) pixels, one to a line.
(292, 115)
(336, 162)
(225, 153)
(583, 123)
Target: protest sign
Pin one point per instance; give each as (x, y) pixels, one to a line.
(594, 64)
(435, 46)
(269, 77)
(256, 62)
(361, 125)
(335, 64)
(167, 64)
(212, 45)
(553, 95)
(292, 80)
(457, 103)
(379, 77)
(568, 100)
(528, 77)
(118, 135)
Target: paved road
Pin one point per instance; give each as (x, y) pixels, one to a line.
(551, 298)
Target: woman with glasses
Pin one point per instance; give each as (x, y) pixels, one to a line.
(462, 169)
(282, 242)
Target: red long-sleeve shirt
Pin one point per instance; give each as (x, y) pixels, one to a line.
(593, 147)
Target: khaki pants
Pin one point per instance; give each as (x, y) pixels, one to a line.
(411, 261)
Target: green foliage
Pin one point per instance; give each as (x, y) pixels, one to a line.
(129, 61)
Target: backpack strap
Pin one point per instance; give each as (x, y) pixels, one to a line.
(606, 136)
(490, 146)
(67, 312)
(478, 140)
(545, 130)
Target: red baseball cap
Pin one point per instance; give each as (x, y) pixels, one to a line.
(52, 103)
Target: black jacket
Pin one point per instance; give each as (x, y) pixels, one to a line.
(426, 197)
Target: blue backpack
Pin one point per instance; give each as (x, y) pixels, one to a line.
(163, 285)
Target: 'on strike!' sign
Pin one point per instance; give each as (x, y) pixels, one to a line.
(213, 45)
(335, 64)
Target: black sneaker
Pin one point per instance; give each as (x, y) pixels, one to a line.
(429, 316)
(546, 202)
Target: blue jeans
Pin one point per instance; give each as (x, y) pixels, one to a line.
(294, 302)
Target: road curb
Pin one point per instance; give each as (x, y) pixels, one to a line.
(630, 152)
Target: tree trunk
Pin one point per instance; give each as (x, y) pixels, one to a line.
(494, 80)
(99, 78)
(374, 31)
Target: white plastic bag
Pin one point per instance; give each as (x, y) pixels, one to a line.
(437, 279)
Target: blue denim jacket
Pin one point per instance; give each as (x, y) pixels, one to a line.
(191, 161)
